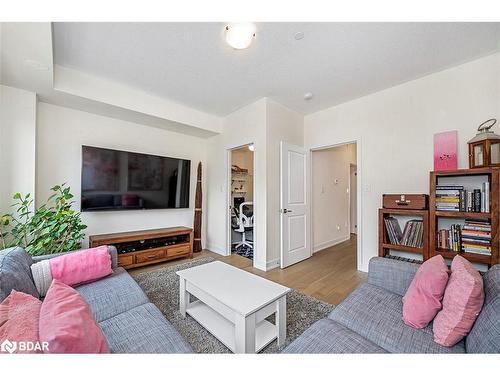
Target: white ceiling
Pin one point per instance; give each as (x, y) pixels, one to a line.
(190, 62)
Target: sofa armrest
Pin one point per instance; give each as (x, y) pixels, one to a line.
(391, 274)
(111, 249)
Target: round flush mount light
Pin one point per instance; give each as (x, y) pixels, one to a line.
(308, 96)
(240, 35)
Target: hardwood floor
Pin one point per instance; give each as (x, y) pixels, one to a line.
(329, 275)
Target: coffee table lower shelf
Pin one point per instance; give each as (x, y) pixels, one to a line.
(224, 330)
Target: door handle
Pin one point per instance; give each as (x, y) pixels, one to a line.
(285, 210)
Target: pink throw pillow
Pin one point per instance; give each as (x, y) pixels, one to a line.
(67, 324)
(462, 303)
(81, 266)
(19, 316)
(422, 300)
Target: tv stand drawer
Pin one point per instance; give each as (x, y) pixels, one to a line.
(149, 256)
(178, 250)
(125, 260)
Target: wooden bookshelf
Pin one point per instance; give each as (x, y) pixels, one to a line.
(384, 245)
(434, 215)
(476, 258)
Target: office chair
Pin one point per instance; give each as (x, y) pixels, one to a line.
(243, 224)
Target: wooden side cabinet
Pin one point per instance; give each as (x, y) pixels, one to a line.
(141, 248)
(385, 246)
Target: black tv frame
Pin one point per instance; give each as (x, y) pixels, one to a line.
(188, 190)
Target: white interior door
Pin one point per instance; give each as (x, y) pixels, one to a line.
(295, 205)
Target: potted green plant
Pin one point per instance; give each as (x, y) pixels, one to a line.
(52, 228)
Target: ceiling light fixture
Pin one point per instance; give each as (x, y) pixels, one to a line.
(308, 96)
(240, 35)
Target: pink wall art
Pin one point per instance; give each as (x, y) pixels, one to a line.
(445, 151)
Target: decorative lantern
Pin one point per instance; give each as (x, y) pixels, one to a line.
(484, 148)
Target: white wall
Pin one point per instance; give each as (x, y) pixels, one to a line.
(330, 195)
(286, 125)
(394, 129)
(63, 131)
(17, 144)
(264, 123)
(245, 126)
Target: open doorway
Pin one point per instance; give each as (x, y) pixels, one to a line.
(241, 201)
(334, 194)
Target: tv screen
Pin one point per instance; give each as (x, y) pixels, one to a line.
(119, 180)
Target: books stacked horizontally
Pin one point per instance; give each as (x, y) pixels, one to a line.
(456, 198)
(412, 235)
(450, 239)
(476, 237)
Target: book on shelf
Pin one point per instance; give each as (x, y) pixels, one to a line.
(456, 198)
(412, 235)
(473, 237)
(450, 239)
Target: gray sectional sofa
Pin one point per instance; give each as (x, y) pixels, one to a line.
(369, 320)
(129, 321)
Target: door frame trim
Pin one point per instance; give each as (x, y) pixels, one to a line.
(228, 162)
(359, 192)
(350, 198)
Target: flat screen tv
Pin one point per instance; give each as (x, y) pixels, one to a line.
(119, 180)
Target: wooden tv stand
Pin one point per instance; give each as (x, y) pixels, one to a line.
(140, 248)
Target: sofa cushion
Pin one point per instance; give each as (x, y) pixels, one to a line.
(67, 325)
(375, 314)
(19, 320)
(390, 274)
(143, 329)
(111, 250)
(485, 334)
(422, 300)
(15, 272)
(328, 336)
(81, 267)
(462, 303)
(112, 295)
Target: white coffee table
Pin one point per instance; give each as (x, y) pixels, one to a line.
(233, 304)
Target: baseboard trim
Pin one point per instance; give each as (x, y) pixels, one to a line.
(216, 249)
(272, 264)
(327, 244)
(259, 265)
(268, 265)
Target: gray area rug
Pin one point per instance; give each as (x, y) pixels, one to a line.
(162, 288)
